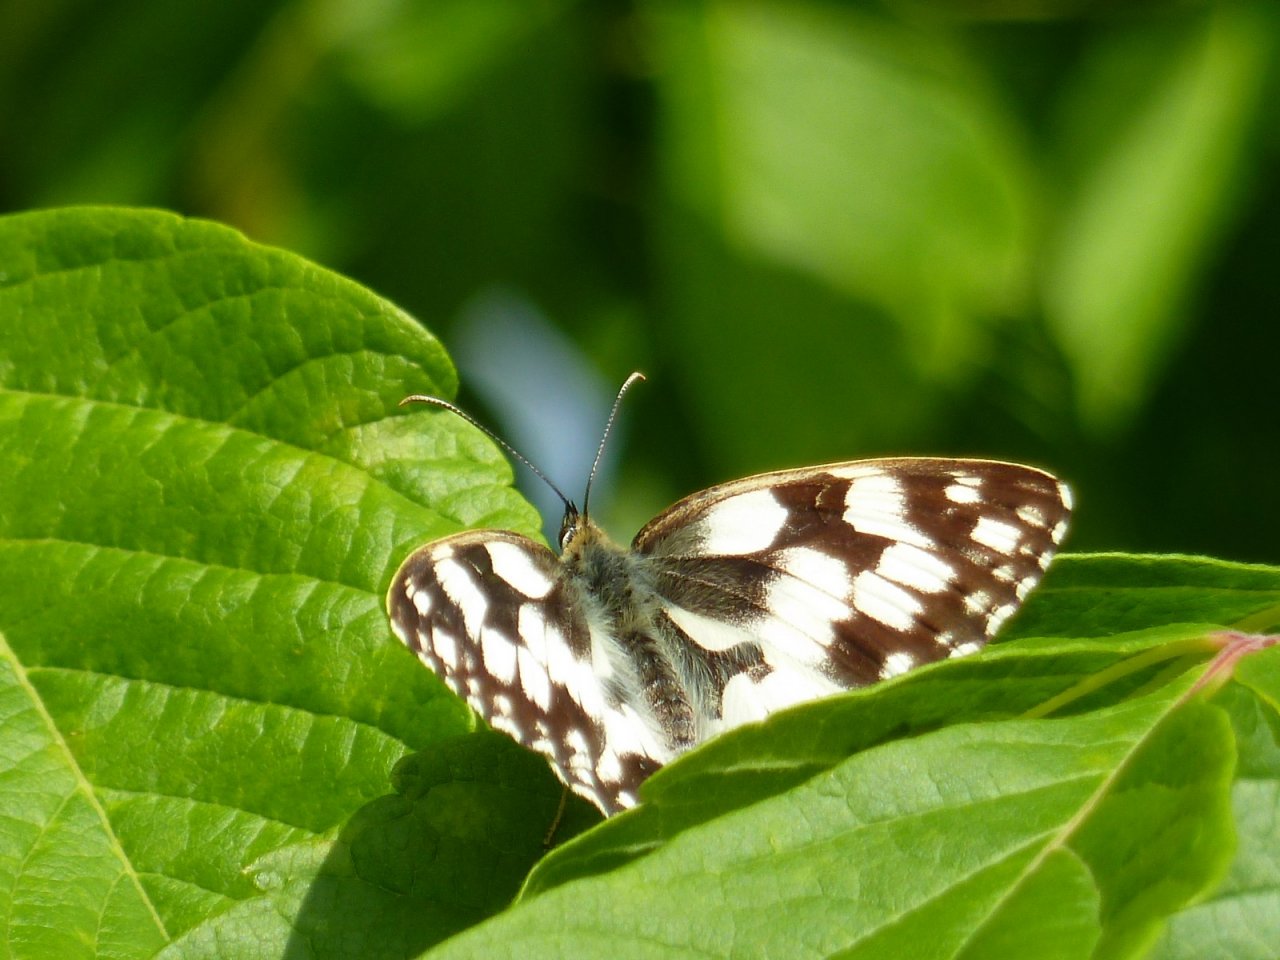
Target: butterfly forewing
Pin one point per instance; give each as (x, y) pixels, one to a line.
(491, 613)
(736, 602)
(849, 573)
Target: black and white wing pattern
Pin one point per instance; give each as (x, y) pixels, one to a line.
(848, 573)
(738, 601)
(493, 614)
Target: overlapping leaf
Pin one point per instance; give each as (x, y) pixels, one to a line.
(1061, 838)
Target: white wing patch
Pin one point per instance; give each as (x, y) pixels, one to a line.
(876, 506)
(896, 664)
(747, 523)
(808, 608)
(887, 602)
(514, 566)
(908, 565)
(774, 633)
(996, 534)
(499, 654)
(821, 571)
(446, 647)
(746, 700)
(533, 678)
(420, 599)
(963, 493)
(710, 633)
(466, 595)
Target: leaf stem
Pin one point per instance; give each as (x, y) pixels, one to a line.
(1193, 646)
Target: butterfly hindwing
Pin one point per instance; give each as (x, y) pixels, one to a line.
(491, 614)
(848, 573)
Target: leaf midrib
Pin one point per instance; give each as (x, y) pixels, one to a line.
(1077, 820)
(82, 782)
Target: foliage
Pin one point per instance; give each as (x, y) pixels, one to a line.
(206, 485)
(1034, 229)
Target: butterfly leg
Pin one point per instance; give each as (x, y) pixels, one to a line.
(555, 821)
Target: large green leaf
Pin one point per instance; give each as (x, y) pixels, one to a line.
(1052, 670)
(761, 760)
(203, 498)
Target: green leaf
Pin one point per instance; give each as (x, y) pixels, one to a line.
(468, 819)
(418, 61)
(204, 495)
(1103, 594)
(70, 890)
(976, 840)
(1033, 677)
(1241, 919)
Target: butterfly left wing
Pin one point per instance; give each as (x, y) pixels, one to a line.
(796, 584)
(491, 614)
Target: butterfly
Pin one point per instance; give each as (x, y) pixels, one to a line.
(738, 601)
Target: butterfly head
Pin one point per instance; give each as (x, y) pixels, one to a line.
(575, 522)
(569, 526)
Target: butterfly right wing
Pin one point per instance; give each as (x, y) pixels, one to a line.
(801, 583)
(491, 613)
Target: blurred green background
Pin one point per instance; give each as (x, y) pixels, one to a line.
(1036, 229)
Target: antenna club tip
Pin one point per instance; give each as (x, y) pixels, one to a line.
(608, 426)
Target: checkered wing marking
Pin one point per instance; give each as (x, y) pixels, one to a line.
(489, 612)
(836, 576)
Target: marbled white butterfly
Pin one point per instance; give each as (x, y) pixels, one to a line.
(737, 601)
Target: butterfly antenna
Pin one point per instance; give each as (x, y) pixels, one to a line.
(613, 414)
(437, 402)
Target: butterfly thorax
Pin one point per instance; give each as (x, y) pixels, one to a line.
(630, 640)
